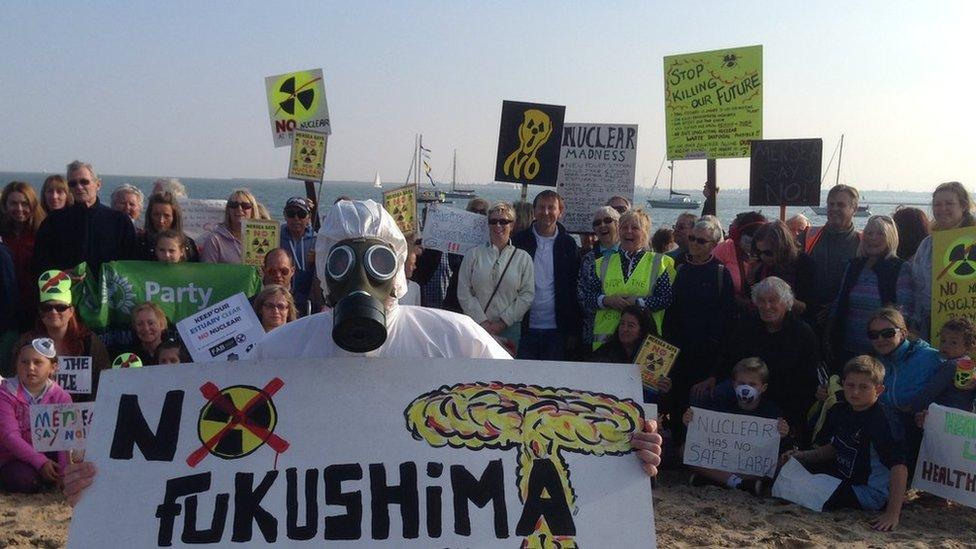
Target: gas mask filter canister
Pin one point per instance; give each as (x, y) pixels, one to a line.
(359, 275)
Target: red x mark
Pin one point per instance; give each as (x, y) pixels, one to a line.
(238, 417)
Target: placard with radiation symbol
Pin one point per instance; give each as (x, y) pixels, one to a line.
(307, 156)
(296, 101)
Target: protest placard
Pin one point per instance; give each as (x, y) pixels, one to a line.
(201, 217)
(454, 231)
(953, 277)
(785, 172)
(74, 374)
(655, 357)
(307, 156)
(296, 101)
(529, 141)
(713, 102)
(322, 440)
(59, 427)
(180, 289)
(596, 162)
(401, 203)
(732, 442)
(259, 236)
(794, 483)
(947, 459)
(228, 330)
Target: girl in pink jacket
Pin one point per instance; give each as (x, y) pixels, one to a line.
(22, 468)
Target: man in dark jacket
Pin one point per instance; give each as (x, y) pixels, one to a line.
(550, 330)
(87, 231)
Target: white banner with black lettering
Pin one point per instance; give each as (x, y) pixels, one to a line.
(947, 459)
(226, 331)
(732, 442)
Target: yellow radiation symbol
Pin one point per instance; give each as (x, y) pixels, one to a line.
(237, 422)
(960, 259)
(295, 96)
(533, 133)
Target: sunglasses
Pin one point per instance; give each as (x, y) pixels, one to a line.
(275, 306)
(59, 307)
(620, 209)
(232, 204)
(604, 221)
(502, 222)
(75, 182)
(698, 240)
(300, 214)
(887, 333)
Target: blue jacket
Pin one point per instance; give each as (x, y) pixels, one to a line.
(565, 268)
(909, 370)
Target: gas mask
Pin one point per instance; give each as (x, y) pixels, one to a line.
(360, 275)
(747, 394)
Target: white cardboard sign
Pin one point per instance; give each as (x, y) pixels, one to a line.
(75, 374)
(802, 487)
(947, 459)
(732, 442)
(59, 427)
(364, 452)
(201, 216)
(454, 231)
(228, 330)
(596, 162)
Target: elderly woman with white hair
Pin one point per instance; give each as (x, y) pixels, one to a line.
(875, 278)
(128, 200)
(701, 314)
(785, 343)
(605, 220)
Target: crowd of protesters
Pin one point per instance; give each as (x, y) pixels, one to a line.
(784, 314)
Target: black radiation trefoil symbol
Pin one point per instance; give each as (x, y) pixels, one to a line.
(963, 258)
(304, 97)
(308, 155)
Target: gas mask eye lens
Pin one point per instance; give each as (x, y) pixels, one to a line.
(340, 262)
(380, 262)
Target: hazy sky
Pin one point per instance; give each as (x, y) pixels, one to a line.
(177, 88)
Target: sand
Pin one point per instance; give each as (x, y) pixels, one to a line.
(686, 517)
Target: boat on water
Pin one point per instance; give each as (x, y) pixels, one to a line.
(424, 196)
(455, 192)
(863, 210)
(377, 184)
(675, 200)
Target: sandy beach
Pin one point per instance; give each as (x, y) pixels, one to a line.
(686, 517)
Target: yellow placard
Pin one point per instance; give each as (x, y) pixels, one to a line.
(953, 277)
(296, 101)
(259, 236)
(713, 103)
(655, 357)
(307, 156)
(401, 203)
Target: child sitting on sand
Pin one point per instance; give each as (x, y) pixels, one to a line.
(170, 246)
(955, 385)
(750, 378)
(22, 468)
(862, 444)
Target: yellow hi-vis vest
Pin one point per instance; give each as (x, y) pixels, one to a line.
(641, 284)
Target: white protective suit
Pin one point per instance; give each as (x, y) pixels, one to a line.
(412, 332)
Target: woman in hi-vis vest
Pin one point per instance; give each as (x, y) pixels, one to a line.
(632, 276)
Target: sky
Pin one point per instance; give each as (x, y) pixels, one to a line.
(177, 88)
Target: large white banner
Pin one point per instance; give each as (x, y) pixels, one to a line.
(947, 460)
(454, 231)
(360, 452)
(228, 330)
(596, 162)
(732, 442)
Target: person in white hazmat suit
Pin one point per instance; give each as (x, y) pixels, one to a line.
(364, 253)
(360, 254)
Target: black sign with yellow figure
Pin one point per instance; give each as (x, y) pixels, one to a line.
(529, 141)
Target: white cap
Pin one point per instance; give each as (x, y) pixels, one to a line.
(349, 219)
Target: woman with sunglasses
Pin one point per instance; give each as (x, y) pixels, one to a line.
(952, 208)
(298, 237)
(496, 282)
(223, 245)
(57, 319)
(21, 215)
(164, 214)
(275, 307)
(605, 228)
(779, 255)
(875, 278)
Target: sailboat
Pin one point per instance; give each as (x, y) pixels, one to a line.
(455, 192)
(675, 200)
(863, 210)
(377, 184)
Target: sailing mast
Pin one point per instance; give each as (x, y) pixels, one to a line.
(454, 172)
(840, 157)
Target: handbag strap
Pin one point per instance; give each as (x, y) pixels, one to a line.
(499, 283)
